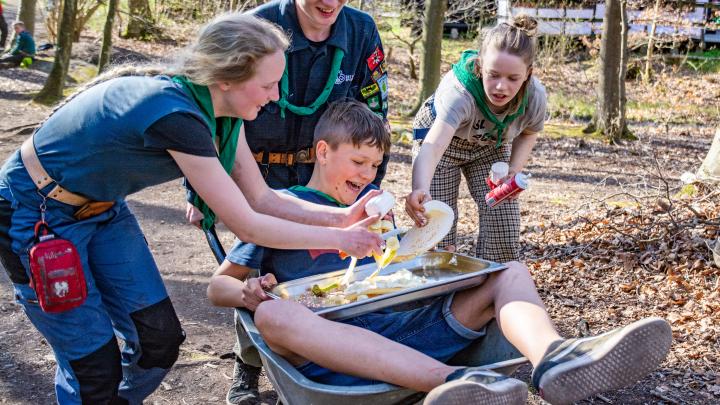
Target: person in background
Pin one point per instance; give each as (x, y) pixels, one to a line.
(24, 47)
(3, 28)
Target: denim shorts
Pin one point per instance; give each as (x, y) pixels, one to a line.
(431, 329)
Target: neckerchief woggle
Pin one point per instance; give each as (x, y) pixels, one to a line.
(322, 98)
(464, 73)
(227, 143)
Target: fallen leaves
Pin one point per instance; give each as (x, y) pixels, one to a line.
(640, 258)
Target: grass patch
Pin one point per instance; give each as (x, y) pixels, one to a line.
(567, 130)
(663, 111)
(562, 106)
(705, 66)
(83, 73)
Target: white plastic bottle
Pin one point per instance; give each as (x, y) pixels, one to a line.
(380, 204)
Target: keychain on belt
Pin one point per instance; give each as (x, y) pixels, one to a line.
(56, 269)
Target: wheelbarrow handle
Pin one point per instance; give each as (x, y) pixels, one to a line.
(215, 245)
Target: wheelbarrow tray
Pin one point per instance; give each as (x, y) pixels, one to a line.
(445, 271)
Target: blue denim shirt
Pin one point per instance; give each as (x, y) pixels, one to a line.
(95, 145)
(362, 76)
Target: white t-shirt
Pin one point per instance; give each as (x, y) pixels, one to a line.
(456, 106)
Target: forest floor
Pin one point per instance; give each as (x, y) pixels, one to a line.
(609, 232)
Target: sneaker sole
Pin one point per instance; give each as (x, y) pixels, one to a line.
(625, 359)
(463, 392)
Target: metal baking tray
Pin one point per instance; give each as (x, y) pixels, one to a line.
(446, 272)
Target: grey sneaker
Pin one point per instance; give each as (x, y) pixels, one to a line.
(244, 388)
(575, 369)
(474, 385)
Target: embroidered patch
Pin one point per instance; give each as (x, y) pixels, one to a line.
(342, 77)
(379, 114)
(382, 83)
(377, 74)
(374, 60)
(373, 102)
(369, 90)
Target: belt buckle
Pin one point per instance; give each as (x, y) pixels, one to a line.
(302, 156)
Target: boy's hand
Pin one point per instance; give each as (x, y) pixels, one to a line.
(193, 215)
(253, 292)
(356, 212)
(358, 242)
(414, 206)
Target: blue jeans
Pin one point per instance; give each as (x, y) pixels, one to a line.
(432, 330)
(126, 300)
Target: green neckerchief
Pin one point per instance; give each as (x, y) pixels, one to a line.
(464, 73)
(318, 192)
(322, 98)
(227, 144)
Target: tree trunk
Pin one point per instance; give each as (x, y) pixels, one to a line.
(651, 43)
(432, 47)
(140, 20)
(53, 89)
(83, 15)
(106, 48)
(710, 168)
(610, 115)
(26, 14)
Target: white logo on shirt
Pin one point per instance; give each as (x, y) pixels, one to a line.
(342, 77)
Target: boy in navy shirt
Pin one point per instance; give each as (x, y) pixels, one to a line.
(409, 348)
(345, 168)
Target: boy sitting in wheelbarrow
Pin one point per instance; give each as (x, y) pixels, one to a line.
(409, 348)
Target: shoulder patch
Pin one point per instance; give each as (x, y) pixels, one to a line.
(374, 103)
(377, 74)
(374, 60)
(369, 90)
(382, 83)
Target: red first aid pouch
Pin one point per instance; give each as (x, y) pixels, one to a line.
(57, 274)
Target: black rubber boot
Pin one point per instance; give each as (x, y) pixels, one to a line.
(244, 388)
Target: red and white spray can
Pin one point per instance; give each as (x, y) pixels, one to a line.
(502, 192)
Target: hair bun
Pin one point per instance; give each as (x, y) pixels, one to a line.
(525, 23)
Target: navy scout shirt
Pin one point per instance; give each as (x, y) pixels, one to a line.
(362, 76)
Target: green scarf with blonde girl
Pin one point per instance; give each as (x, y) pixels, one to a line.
(465, 74)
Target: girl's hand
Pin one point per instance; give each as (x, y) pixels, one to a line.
(358, 242)
(356, 212)
(253, 291)
(414, 206)
(510, 175)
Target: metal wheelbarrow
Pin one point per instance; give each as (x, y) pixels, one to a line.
(492, 352)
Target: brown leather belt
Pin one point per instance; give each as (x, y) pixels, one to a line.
(286, 158)
(41, 178)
